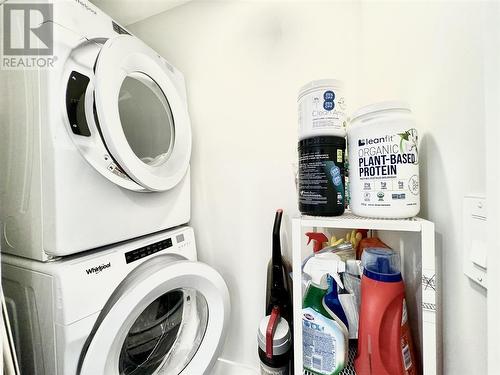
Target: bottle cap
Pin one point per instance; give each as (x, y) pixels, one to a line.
(381, 264)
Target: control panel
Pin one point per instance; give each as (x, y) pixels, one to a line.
(118, 29)
(147, 250)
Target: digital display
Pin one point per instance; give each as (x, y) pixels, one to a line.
(147, 250)
(118, 29)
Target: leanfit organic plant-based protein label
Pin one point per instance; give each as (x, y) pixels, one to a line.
(384, 162)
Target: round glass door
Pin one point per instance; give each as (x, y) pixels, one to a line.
(146, 118)
(168, 316)
(142, 113)
(166, 335)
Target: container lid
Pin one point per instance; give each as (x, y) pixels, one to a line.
(282, 338)
(333, 83)
(381, 106)
(381, 264)
(322, 141)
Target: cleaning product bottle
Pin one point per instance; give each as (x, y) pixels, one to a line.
(384, 346)
(279, 291)
(341, 250)
(332, 301)
(318, 239)
(324, 340)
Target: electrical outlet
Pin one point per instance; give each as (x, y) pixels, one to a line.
(474, 235)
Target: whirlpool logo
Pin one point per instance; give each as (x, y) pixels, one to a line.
(98, 269)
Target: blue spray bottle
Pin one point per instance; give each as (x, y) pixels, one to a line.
(331, 301)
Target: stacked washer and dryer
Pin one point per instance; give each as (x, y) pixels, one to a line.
(99, 271)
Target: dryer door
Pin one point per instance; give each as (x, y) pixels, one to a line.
(167, 317)
(141, 114)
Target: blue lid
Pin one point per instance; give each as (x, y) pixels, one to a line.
(381, 264)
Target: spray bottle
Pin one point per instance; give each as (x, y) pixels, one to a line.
(331, 301)
(318, 240)
(325, 341)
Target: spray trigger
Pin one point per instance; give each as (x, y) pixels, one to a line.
(323, 264)
(318, 240)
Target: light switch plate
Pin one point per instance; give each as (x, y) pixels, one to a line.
(474, 239)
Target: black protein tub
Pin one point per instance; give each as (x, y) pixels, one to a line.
(322, 176)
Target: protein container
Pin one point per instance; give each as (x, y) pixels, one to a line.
(322, 109)
(383, 161)
(321, 176)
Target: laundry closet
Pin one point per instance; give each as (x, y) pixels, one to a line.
(244, 64)
(194, 236)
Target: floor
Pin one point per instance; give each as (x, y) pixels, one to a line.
(223, 367)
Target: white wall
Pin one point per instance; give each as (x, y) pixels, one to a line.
(431, 55)
(492, 104)
(127, 12)
(244, 62)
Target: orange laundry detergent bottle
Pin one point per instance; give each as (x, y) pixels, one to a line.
(385, 345)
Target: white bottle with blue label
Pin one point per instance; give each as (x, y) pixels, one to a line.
(324, 340)
(322, 109)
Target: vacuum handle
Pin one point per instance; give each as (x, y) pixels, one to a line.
(271, 329)
(276, 238)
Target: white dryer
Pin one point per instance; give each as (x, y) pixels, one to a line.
(95, 149)
(142, 307)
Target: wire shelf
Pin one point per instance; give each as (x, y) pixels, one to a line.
(348, 220)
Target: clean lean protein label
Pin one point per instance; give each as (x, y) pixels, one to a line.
(322, 109)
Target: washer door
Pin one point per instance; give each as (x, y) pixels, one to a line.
(141, 115)
(168, 317)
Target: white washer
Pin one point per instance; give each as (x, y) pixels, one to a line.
(96, 149)
(142, 307)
